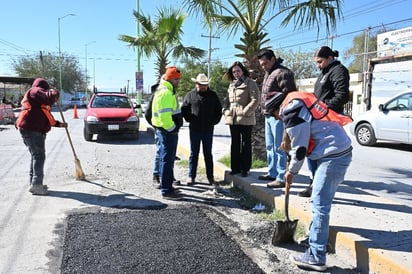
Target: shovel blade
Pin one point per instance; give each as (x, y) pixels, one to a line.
(284, 232)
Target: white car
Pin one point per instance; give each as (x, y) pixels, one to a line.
(392, 122)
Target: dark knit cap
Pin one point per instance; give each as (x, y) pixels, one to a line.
(274, 102)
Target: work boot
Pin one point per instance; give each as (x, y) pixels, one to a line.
(275, 184)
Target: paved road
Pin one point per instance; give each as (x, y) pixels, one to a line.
(118, 173)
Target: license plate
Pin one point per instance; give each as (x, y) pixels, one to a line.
(113, 127)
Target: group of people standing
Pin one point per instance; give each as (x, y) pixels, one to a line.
(323, 143)
(289, 123)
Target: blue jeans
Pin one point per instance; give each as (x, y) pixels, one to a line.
(276, 157)
(35, 142)
(168, 146)
(156, 164)
(329, 174)
(206, 138)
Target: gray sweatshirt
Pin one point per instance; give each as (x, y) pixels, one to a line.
(330, 138)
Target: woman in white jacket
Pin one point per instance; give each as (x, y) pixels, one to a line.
(239, 110)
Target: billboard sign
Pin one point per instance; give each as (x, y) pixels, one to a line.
(394, 42)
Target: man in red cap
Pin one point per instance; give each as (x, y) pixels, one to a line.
(167, 119)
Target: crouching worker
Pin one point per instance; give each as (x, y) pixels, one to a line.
(316, 133)
(34, 121)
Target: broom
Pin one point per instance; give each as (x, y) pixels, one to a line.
(79, 171)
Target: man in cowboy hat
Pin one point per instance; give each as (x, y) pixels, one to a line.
(202, 109)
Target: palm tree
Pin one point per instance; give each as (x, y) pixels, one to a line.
(162, 38)
(252, 17)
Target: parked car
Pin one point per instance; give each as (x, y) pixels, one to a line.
(79, 102)
(142, 105)
(392, 122)
(110, 114)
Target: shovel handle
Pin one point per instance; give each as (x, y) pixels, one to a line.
(287, 188)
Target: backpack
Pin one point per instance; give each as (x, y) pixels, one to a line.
(148, 110)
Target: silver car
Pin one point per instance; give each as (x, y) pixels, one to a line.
(393, 122)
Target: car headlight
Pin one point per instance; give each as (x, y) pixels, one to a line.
(92, 119)
(132, 119)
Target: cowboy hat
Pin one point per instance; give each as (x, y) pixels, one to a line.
(201, 79)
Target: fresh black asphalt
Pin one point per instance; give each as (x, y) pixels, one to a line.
(170, 240)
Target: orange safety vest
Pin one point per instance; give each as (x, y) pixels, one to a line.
(318, 109)
(26, 107)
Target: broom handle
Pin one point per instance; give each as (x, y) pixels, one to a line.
(287, 188)
(67, 130)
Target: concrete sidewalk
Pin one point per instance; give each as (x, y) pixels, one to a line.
(373, 232)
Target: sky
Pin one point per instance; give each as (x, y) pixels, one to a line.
(28, 27)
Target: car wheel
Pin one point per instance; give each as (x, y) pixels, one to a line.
(365, 135)
(87, 136)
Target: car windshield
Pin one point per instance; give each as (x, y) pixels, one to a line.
(110, 101)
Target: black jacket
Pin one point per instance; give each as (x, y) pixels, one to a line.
(202, 110)
(332, 86)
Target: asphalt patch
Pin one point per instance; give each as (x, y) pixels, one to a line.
(171, 240)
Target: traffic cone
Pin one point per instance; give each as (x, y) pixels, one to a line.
(75, 115)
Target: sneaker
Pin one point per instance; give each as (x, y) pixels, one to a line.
(266, 177)
(174, 196)
(307, 261)
(38, 190)
(275, 184)
(190, 181)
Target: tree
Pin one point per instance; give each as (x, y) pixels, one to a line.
(252, 17)
(47, 67)
(301, 63)
(162, 38)
(356, 52)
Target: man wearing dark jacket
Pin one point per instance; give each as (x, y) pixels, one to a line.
(202, 109)
(34, 121)
(277, 79)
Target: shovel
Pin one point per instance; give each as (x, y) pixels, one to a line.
(285, 230)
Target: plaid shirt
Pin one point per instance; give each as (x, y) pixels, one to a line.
(278, 79)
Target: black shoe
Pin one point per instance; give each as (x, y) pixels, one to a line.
(175, 196)
(306, 193)
(245, 173)
(266, 177)
(211, 181)
(176, 182)
(233, 172)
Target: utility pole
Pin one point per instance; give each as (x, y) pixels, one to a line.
(209, 59)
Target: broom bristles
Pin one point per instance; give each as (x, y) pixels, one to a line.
(79, 171)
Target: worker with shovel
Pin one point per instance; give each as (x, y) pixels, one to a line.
(34, 121)
(323, 139)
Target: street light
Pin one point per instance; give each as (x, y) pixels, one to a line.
(60, 56)
(85, 46)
